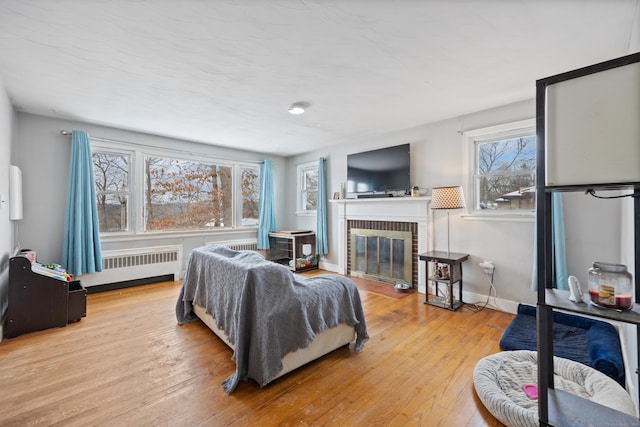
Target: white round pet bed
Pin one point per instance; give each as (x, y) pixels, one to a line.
(499, 381)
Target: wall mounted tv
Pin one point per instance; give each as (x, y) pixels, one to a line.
(379, 171)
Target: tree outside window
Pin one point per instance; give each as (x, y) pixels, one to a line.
(172, 194)
(308, 188)
(111, 178)
(186, 195)
(250, 192)
(505, 175)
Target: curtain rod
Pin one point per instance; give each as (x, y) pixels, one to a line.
(174, 150)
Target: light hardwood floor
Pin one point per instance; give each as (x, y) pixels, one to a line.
(128, 363)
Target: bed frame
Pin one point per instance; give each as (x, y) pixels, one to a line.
(324, 343)
(255, 300)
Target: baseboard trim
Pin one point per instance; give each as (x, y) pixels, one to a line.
(500, 304)
(127, 284)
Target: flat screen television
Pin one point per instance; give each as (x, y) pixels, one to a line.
(383, 170)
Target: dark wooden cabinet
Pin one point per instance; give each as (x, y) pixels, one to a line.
(38, 302)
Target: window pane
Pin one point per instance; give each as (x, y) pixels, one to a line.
(250, 187)
(507, 192)
(310, 195)
(111, 177)
(183, 195)
(505, 178)
(508, 155)
(112, 213)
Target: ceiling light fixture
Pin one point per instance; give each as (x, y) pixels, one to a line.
(298, 107)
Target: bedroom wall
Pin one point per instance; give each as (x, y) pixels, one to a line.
(43, 156)
(7, 122)
(436, 155)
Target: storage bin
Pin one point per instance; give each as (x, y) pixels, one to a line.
(77, 307)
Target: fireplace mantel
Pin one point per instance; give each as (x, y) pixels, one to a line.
(402, 209)
(379, 209)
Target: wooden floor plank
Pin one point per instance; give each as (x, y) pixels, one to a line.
(129, 363)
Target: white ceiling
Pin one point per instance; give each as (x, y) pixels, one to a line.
(224, 72)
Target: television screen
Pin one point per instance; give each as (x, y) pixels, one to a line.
(381, 170)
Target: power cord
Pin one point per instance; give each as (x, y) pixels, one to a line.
(479, 306)
(592, 192)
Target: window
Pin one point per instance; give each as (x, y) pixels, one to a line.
(111, 179)
(174, 193)
(308, 188)
(186, 195)
(501, 169)
(250, 192)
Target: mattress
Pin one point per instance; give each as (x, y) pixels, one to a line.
(324, 342)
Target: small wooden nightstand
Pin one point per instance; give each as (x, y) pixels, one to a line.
(444, 270)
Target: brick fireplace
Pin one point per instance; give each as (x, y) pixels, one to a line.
(405, 214)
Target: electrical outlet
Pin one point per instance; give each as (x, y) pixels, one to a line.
(487, 266)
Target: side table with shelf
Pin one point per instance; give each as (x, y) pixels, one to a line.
(294, 249)
(444, 270)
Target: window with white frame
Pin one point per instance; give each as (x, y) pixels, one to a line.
(250, 194)
(308, 188)
(501, 168)
(113, 190)
(186, 195)
(175, 191)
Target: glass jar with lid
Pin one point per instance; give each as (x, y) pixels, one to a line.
(610, 286)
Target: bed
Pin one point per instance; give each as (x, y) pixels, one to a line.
(275, 321)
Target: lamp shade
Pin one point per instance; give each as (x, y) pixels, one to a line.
(447, 198)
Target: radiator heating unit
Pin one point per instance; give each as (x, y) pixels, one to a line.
(238, 245)
(123, 265)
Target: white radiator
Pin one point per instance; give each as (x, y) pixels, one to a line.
(238, 245)
(122, 265)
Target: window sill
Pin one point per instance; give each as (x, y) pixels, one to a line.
(528, 216)
(171, 234)
(306, 213)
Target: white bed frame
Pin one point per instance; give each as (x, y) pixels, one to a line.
(324, 342)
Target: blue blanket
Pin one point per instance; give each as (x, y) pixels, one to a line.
(592, 342)
(265, 311)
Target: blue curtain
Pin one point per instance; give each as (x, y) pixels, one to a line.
(81, 252)
(322, 243)
(559, 250)
(266, 216)
(558, 247)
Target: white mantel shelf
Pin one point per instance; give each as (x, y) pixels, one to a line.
(402, 209)
(382, 199)
(411, 209)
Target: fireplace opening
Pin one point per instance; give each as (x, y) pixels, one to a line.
(382, 254)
